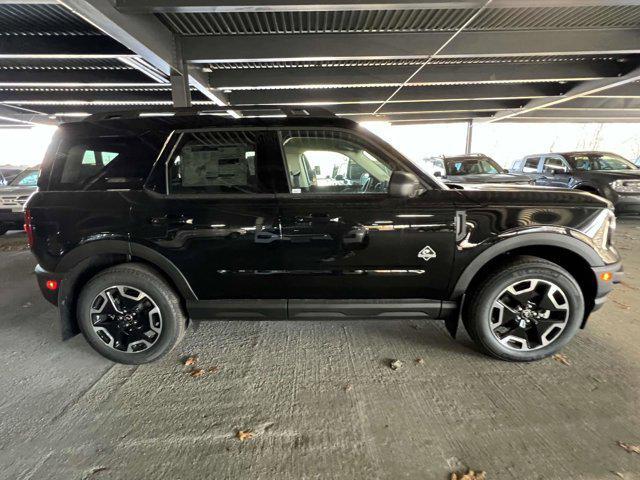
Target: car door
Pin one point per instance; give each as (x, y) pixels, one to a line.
(211, 200)
(555, 172)
(531, 167)
(344, 237)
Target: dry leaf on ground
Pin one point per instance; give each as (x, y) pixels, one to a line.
(471, 475)
(244, 435)
(630, 448)
(348, 387)
(198, 372)
(621, 305)
(562, 358)
(420, 360)
(191, 360)
(215, 369)
(396, 364)
(93, 471)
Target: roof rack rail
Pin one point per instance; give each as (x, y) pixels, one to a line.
(287, 110)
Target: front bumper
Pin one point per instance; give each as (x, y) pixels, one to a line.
(627, 204)
(604, 287)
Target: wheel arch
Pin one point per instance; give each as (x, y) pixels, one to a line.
(571, 254)
(86, 261)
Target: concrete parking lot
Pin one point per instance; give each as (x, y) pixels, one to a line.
(319, 398)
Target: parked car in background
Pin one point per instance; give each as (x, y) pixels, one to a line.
(7, 174)
(14, 196)
(605, 174)
(125, 224)
(459, 170)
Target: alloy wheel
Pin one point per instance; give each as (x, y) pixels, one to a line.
(529, 314)
(126, 319)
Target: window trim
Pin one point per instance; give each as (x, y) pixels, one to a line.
(376, 149)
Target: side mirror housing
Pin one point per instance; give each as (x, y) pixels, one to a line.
(437, 173)
(404, 184)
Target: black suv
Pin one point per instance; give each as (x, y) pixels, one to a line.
(605, 174)
(142, 225)
(461, 170)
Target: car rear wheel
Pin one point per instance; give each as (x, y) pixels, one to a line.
(129, 314)
(3, 229)
(525, 310)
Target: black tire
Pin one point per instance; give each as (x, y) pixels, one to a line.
(137, 276)
(3, 229)
(479, 307)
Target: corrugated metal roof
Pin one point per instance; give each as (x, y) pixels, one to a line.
(238, 23)
(63, 64)
(42, 19)
(418, 61)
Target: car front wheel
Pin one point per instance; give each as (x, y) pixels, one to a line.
(525, 310)
(129, 314)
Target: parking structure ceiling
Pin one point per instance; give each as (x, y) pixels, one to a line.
(400, 61)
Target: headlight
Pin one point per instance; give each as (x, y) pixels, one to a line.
(626, 186)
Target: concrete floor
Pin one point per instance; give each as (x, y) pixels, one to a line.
(319, 398)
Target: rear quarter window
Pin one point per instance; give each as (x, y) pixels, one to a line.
(113, 163)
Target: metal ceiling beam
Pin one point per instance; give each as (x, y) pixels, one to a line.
(396, 74)
(60, 46)
(217, 6)
(146, 36)
(374, 95)
(413, 107)
(584, 89)
(20, 116)
(96, 94)
(421, 118)
(52, 77)
(469, 44)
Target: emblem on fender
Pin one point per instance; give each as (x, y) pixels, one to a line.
(427, 253)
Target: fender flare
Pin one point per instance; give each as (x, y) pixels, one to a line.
(122, 247)
(566, 242)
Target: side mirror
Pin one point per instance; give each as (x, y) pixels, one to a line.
(437, 173)
(404, 184)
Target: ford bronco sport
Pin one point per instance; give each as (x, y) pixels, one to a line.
(143, 224)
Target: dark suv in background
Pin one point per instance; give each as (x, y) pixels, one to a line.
(461, 170)
(605, 174)
(141, 225)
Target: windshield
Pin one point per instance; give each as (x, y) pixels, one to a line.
(28, 178)
(599, 161)
(472, 166)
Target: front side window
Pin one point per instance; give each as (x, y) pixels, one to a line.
(328, 161)
(220, 162)
(28, 178)
(600, 161)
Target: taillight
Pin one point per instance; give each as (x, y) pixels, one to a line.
(28, 227)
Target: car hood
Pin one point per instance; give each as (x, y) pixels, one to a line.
(488, 178)
(608, 175)
(530, 196)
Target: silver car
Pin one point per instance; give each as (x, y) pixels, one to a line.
(14, 196)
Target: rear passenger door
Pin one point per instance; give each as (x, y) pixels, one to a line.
(211, 210)
(531, 168)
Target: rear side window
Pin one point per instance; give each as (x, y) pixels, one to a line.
(103, 164)
(531, 165)
(221, 162)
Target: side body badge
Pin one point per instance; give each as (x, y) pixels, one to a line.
(427, 253)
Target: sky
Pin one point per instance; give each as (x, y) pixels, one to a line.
(505, 142)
